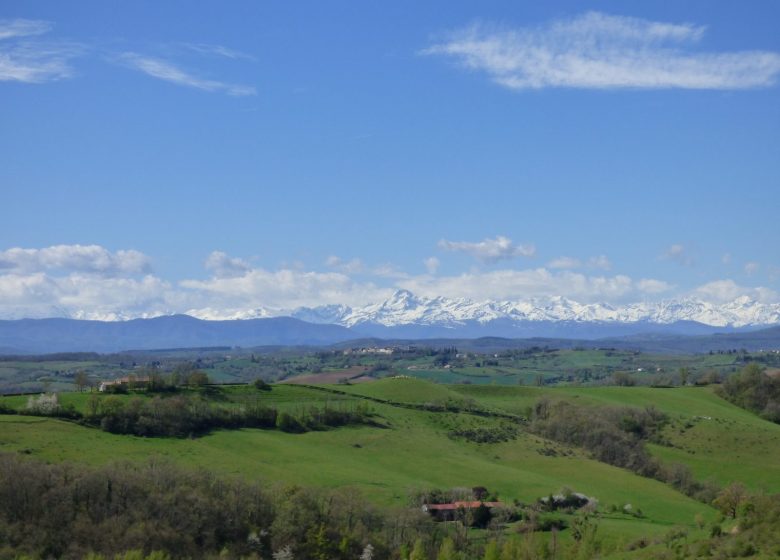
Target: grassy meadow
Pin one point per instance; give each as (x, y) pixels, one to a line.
(416, 449)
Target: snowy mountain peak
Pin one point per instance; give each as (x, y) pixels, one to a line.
(404, 308)
(401, 299)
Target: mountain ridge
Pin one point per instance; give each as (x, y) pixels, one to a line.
(405, 308)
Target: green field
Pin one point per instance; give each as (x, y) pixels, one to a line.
(717, 440)
(511, 367)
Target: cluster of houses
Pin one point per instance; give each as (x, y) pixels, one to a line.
(370, 351)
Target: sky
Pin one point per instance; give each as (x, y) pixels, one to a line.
(161, 157)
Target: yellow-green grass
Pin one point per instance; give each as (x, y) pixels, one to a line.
(716, 439)
(281, 396)
(404, 390)
(414, 453)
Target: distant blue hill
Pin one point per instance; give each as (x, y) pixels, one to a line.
(176, 331)
(505, 328)
(38, 336)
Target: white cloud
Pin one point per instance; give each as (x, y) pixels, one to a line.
(751, 268)
(388, 270)
(224, 266)
(352, 266)
(76, 258)
(280, 289)
(431, 265)
(30, 60)
(217, 50)
(84, 296)
(651, 286)
(523, 284)
(726, 258)
(601, 51)
(722, 291)
(89, 281)
(601, 262)
(564, 263)
(679, 254)
(169, 72)
(490, 250)
(10, 28)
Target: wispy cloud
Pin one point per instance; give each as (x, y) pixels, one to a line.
(564, 263)
(352, 266)
(217, 50)
(169, 72)
(601, 51)
(431, 265)
(751, 268)
(10, 28)
(490, 250)
(601, 262)
(679, 254)
(32, 61)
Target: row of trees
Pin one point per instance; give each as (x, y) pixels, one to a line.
(191, 415)
(754, 390)
(156, 511)
(617, 436)
(64, 511)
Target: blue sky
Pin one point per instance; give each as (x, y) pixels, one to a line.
(167, 156)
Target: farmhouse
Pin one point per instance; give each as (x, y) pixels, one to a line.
(450, 511)
(123, 381)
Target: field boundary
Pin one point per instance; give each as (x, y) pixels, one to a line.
(414, 406)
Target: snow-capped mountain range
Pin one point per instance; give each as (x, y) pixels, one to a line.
(404, 308)
(404, 316)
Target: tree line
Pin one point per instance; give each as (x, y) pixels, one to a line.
(181, 415)
(755, 390)
(617, 436)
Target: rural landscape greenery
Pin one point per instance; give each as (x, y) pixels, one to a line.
(394, 280)
(331, 453)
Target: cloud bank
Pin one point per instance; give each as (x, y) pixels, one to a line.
(74, 258)
(602, 51)
(92, 282)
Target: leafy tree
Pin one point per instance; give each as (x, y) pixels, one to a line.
(418, 551)
(491, 551)
(447, 550)
(93, 405)
(685, 374)
(197, 379)
(730, 498)
(261, 385)
(81, 380)
(623, 379)
(754, 390)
